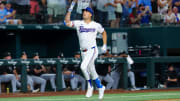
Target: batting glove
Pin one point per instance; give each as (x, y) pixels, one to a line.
(71, 6)
(104, 48)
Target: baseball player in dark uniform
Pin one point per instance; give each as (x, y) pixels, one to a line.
(172, 77)
(9, 74)
(29, 79)
(36, 71)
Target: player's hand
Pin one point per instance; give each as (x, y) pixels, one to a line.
(72, 6)
(168, 79)
(104, 48)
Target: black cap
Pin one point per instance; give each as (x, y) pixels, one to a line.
(78, 52)
(170, 65)
(60, 54)
(36, 54)
(23, 53)
(6, 54)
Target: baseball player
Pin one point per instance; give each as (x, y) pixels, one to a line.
(77, 78)
(104, 74)
(8, 74)
(29, 79)
(115, 74)
(35, 73)
(87, 31)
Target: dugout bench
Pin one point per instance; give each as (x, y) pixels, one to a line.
(149, 61)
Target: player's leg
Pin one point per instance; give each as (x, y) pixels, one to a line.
(40, 81)
(94, 74)
(30, 82)
(12, 78)
(109, 81)
(74, 83)
(51, 78)
(84, 65)
(132, 78)
(18, 84)
(116, 77)
(87, 58)
(63, 82)
(92, 69)
(82, 81)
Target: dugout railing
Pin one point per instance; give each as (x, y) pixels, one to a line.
(149, 61)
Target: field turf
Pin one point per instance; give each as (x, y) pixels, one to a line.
(108, 97)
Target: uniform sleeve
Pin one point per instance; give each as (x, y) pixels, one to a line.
(75, 23)
(100, 29)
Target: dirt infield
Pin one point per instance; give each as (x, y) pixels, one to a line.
(62, 93)
(166, 100)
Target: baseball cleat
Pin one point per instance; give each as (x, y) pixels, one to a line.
(89, 92)
(101, 92)
(35, 91)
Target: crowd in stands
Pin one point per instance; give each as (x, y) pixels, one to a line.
(110, 13)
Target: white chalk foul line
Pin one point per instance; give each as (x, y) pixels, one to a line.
(75, 99)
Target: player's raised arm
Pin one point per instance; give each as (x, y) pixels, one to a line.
(68, 15)
(104, 36)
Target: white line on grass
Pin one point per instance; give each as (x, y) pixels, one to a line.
(137, 96)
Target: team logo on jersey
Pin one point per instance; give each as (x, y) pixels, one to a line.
(82, 29)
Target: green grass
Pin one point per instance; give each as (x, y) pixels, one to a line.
(108, 97)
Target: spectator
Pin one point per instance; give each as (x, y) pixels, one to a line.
(81, 4)
(170, 17)
(134, 19)
(22, 6)
(163, 6)
(154, 6)
(132, 4)
(125, 14)
(34, 7)
(102, 12)
(172, 77)
(12, 13)
(118, 12)
(145, 14)
(145, 3)
(4, 14)
(55, 8)
(176, 3)
(111, 13)
(175, 11)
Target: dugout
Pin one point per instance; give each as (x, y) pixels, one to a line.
(49, 40)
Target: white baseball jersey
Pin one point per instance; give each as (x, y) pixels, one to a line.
(87, 33)
(164, 9)
(82, 4)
